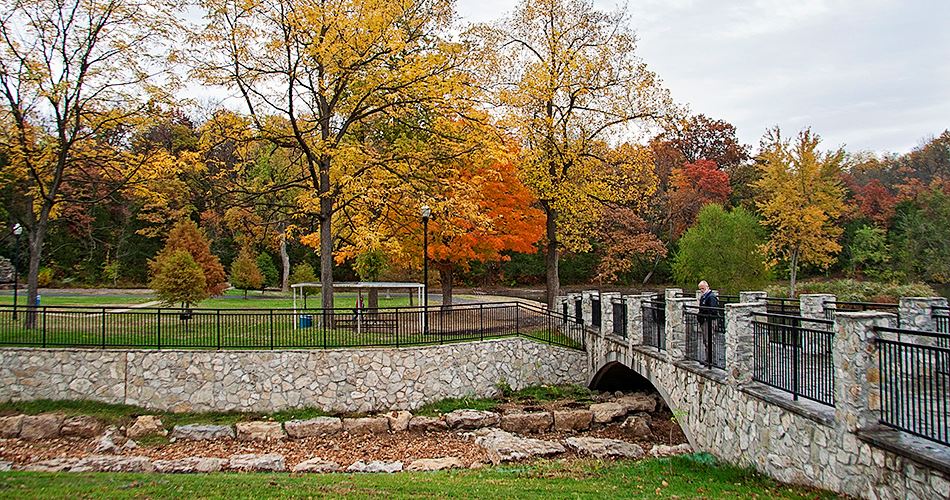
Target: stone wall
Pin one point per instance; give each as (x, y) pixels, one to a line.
(345, 380)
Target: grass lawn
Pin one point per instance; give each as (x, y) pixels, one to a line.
(684, 477)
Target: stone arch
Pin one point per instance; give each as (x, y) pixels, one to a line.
(616, 375)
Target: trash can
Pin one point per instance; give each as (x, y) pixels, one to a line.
(306, 321)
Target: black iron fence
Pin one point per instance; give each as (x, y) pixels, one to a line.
(706, 335)
(654, 324)
(779, 305)
(915, 382)
(801, 363)
(832, 308)
(619, 315)
(595, 312)
(160, 328)
(941, 317)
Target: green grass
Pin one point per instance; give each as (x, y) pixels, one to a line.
(683, 477)
(232, 299)
(449, 405)
(80, 300)
(546, 393)
(530, 395)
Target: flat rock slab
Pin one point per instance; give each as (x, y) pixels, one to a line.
(45, 426)
(51, 465)
(10, 426)
(638, 402)
(375, 466)
(146, 425)
(472, 419)
(317, 465)
(190, 465)
(604, 413)
(427, 424)
(662, 450)
(81, 426)
(604, 448)
(572, 420)
(197, 432)
(534, 422)
(432, 464)
(258, 463)
(366, 425)
(259, 431)
(503, 446)
(398, 420)
(113, 463)
(319, 426)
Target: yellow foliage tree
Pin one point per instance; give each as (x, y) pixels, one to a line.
(570, 82)
(800, 198)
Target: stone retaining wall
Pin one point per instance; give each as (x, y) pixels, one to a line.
(344, 380)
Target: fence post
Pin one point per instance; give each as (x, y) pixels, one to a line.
(481, 321)
(917, 313)
(747, 297)
(676, 326)
(159, 323)
(857, 389)
(103, 327)
(271, 328)
(217, 328)
(44, 324)
(517, 319)
(740, 336)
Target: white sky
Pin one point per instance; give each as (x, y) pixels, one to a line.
(867, 74)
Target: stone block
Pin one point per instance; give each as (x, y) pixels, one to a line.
(45, 426)
(198, 432)
(316, 465)
(190, 465)
(375, 466)
(637, 428)
(638, 402)
(604, 413)
(502, 446)
(398, 420)
(427, 424)
(51, 465)
(366, 425)
(319, 426)
(432, 464)
(10, 426)
(259, 431)
(572, 420)
(113, 463)
(471, 419)
(257, 463)
(146, 425)
(534, 422)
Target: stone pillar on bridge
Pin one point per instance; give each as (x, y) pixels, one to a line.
(817, 305)
(855, 354)
(572, 299)
(740, 337)
(675, 328)
(917, 313)
(747, 297)
(607, 312)
(586, 298)
(635, 318)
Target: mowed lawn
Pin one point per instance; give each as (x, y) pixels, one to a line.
(693, 476)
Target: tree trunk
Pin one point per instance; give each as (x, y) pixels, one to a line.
(284, 263)
(445, 276)
(35, 242)
(550, 258)
(373, 298)
(794, 271)
(326, 236)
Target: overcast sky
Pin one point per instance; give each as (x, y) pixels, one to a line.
(867, 74)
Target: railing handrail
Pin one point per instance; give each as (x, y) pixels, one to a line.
(801, 318)
(782, 299)
(917, 333)
(705, 308)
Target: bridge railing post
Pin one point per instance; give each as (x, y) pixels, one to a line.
(817, 306)
(917, 313)
(740, 336)
(748, 297)
(676, 327)
(635, 318)
(607, 312)
(587, 297)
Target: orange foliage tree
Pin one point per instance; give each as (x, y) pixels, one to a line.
(696, 185)
(186, 236)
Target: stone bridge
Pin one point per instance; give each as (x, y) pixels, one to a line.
(748, 423)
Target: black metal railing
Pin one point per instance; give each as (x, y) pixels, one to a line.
(619, 314)
(941, 317)
(801, 363)
(161, 328)
(595, 311)
(915, 382)
(779, 305)
(654, 324)
(727, 299)
(579, 312)
(706, 335)
(832, 308)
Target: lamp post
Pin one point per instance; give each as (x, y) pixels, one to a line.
(426, 213)
(17, 231)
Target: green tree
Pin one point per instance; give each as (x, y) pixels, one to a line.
(922, 235)
(186, 236)
(870, 253)
(245, 273)
(723, 248)
(303, 273)
(268, 270)
(178, 279)
(800, 198)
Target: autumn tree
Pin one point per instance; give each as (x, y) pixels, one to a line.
(323, 68)
(624, 237)
(569, 79)
(178, 279)
(695, 185)
(71, 72)
(800, 199)
(186, 236)
(699, 137)
(245, 273)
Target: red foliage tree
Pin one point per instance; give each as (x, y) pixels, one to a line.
(694, 186)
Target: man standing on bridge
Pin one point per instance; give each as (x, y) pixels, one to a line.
(708, 314)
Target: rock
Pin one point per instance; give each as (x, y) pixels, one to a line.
(105, 443)
(197, 432)
(527, 422)
(259, 431)
(52, 465)
(572, 420)
(366, 425)
(317, 465)
(319, 426)
(113, 463)
(471, 419)
(638, 402)
(190, 465)
(605, 413)
(502, 446)
(374, 466)
(81, 426)
(431, 464)
(637, 428)
(398, 420)
(45, 426)
(257, 463)
(5, 466)
(603, 448)
(10, 426)
(146, 425)
(427, 424)
(129, 445)
(662, 450)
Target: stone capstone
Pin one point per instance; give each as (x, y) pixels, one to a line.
(45, 426)
(366, 425)
(199, 432)
(374, 466)
(604, 413)
(637, 428)
(319, 426)
(317, 465)
(603, 448)
(427, 424)
(190, 465)
(81, 426)
(257, 463)
(503, 446)
(572, 420)
(146, 425)
(113, 463)
(534, 422)
(259, 431)
(431, 464)
(471, 419)
(10, 426)
(398, 420)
